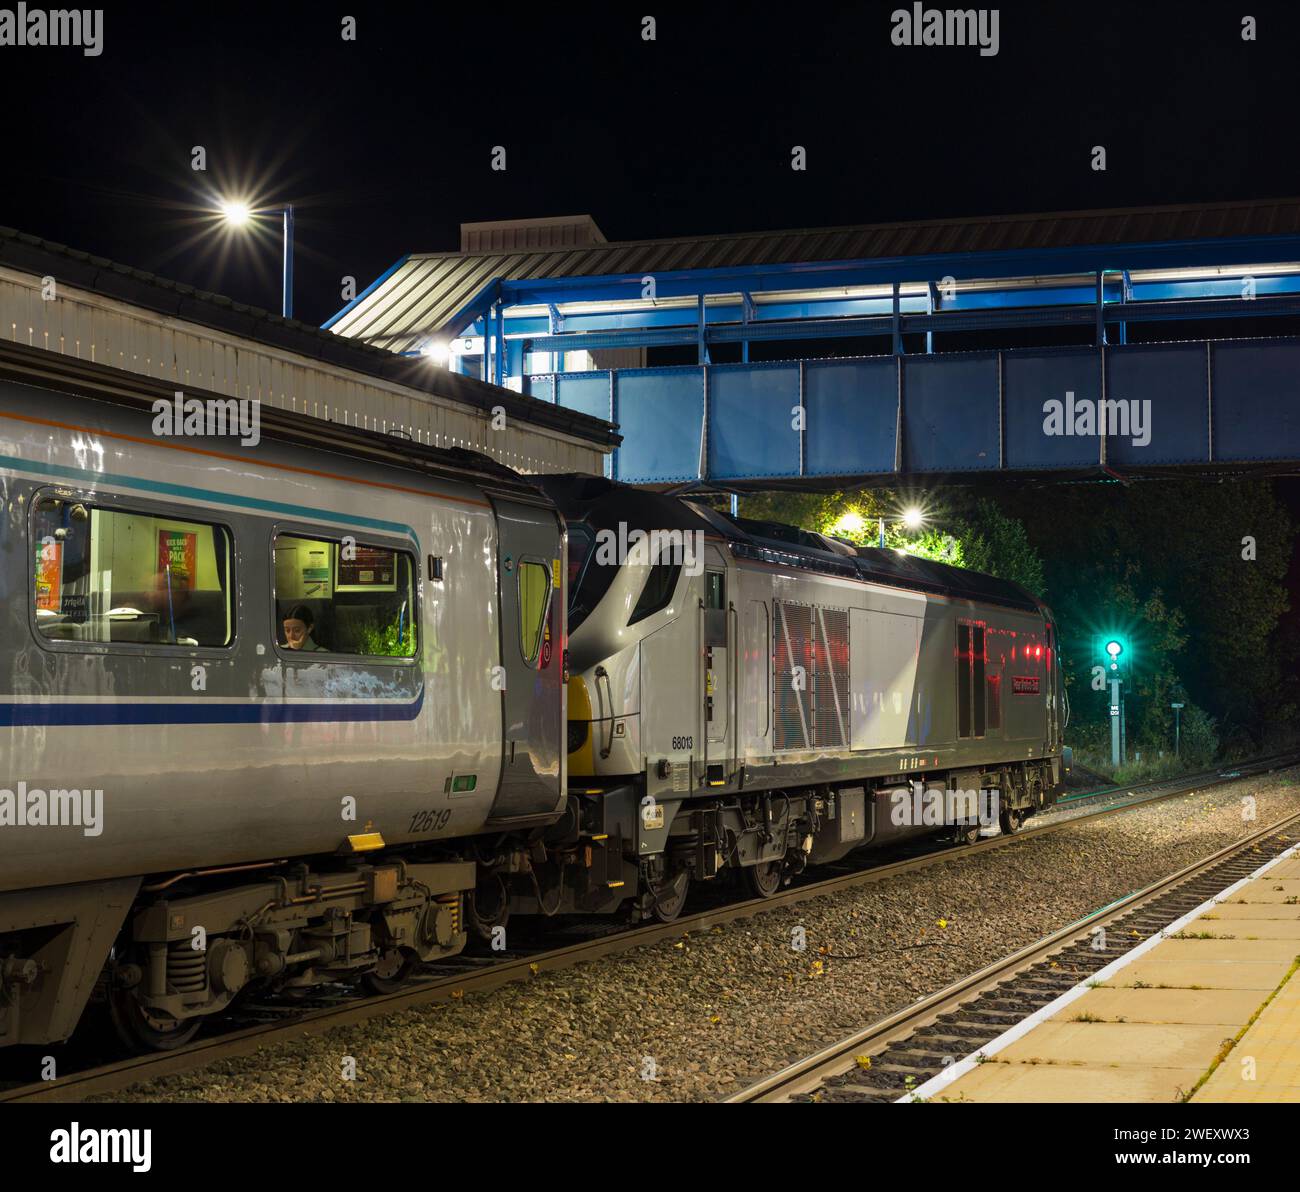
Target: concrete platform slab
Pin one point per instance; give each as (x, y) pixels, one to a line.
(1265, 889)
(1227, 1008)
(1234, 951)
(1127, 1044)
(1264, 975)
(1259, 910)
(1072, 1083)
(1248, 1094)
(1246, 929)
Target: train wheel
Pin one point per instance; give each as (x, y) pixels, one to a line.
(669, 896)
(391, 973)
(764, 878)
(140, 1030)
(1011, 819)
(969, 835)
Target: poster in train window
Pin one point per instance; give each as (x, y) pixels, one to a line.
(177, 559)
(49, 576)
(366, 569)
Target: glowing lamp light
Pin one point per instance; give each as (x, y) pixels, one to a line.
(234, 212)
(437, 352)
(913, 518)
(850, 523)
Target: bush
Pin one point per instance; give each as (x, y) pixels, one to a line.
(1200, 738)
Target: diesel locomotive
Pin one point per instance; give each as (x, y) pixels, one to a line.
(499, 695)
(752, 697)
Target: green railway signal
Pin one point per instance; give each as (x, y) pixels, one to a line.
(1113, 648)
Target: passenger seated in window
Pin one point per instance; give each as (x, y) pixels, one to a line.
(298, 624)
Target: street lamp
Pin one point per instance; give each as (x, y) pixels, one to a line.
(238, 214)
(912, 518)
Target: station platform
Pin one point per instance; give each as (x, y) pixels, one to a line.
(1206, 1011)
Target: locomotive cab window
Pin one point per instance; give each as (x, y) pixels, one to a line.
(119, 575)
(344, 597)
(658, 591)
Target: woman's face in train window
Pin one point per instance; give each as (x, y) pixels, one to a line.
(295, 633)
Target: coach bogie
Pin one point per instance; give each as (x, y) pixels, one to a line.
(187, 955)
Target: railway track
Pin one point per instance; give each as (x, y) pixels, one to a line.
(889, 1059)
(261, 1024)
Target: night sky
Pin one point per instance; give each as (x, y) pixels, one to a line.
(384, 144)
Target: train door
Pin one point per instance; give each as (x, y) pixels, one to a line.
(717, 651)
(530, 596)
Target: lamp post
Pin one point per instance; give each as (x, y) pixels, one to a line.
(239, 214)
(1178, 719)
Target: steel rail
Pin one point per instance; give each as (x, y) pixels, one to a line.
(809, 1073)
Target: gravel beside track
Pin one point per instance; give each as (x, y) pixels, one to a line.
(698, 1018)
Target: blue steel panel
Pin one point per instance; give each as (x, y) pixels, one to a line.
(543, 388)
(1033, 378)
(1172, 378)
(586, 392)
(950, 412)
(1256, 388)
(852, 408)
(751, 420)
(660, 412)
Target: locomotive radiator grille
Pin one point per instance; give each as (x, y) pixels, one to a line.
(791, 690)
(831, 679)
(811, 708)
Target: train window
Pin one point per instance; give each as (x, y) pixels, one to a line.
(119, 575)
(715, 585)
(977, 678)
(344, 597)
(534, 597)
(658, 591)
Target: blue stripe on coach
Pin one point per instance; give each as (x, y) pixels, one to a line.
(268, 712)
